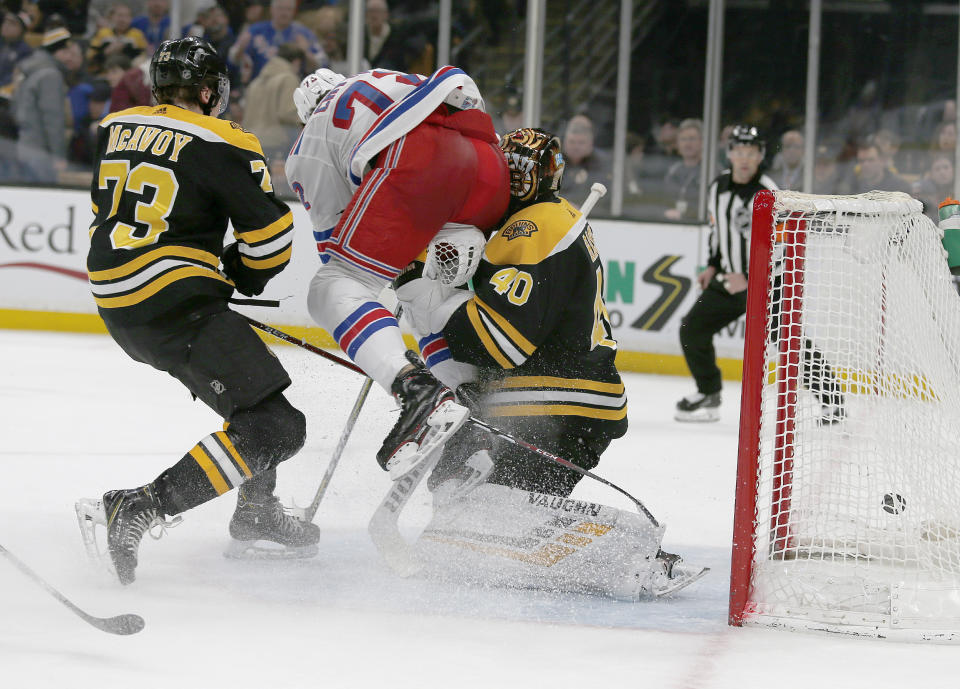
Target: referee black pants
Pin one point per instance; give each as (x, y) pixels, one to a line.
(715, 309)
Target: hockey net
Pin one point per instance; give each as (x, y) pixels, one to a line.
(848, 481)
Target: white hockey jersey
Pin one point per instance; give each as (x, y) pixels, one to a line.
(359, 118)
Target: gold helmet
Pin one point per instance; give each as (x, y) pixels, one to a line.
(535, 162)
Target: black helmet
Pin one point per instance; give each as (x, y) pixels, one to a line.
(745, 134)
(191, 61)
(535, 162)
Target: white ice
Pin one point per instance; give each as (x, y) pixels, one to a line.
(77, 418)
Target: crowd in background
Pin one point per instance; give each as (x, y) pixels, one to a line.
(65, 64)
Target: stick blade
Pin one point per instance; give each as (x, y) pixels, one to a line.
(121, 625)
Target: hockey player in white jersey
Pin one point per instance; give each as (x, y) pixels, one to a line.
(534, 342)
(386, 160)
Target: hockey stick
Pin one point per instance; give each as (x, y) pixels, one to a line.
(286, 337)
(311, 510)
(597, 191)
(121, 624)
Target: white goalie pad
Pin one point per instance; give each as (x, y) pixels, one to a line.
(499, 536)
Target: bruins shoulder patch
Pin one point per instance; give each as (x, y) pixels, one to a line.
(520, 228)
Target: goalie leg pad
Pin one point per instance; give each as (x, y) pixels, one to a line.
(502, 536)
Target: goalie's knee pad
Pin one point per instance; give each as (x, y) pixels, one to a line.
(268, 433)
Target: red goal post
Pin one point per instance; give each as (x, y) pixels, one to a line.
(851, 526)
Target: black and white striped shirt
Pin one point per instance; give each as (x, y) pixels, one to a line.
(730, 211)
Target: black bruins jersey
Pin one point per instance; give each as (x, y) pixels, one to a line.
(167, 182)
(539, 321)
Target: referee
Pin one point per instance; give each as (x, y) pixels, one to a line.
(724, 280)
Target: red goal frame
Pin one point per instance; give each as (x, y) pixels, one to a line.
(792, 234)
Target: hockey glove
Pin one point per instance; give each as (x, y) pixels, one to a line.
(245, 280)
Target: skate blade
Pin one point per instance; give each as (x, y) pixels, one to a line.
(268, 550)
(90, 515)
(683, 577)
(445, 420)
(698, 416)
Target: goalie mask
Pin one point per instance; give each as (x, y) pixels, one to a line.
(314, 87)
(191, 61)
(535, 162)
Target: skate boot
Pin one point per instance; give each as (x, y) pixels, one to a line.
(262, 529)
(129, 514)
(671, 575)
(699, 408)
(429, 415)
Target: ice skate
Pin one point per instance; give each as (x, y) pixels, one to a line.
(699, 408)
(674, 575)
(429, 415)
(126, 515)
(263, 529)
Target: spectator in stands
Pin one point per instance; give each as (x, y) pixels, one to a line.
(334, 42)
(936, 185)
(71, 14)
(386, 46)
(154, 24)
(872, 172)
(682, 181)
(129, 83)
(585, 164)
(214, 27)
(944, 139)
(787, 168)
(826, 171)
(12, 46)
(510, 116)
(259, 42)
(889, 144)
(269, 110)
(662, 151)
(39, 109)
(119, 37)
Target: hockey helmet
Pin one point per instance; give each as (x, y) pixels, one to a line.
(746, 135)
(535, 162)
(314, 87)
(192, 61)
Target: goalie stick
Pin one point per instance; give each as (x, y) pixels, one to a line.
(122, 625)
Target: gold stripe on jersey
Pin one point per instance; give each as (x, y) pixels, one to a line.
(277, 227)
(269, 262)
(540, 382)
(535, 233)
(210, 469)
(174, 117)
(155, 285)
(139, 262)
(555, 396)
(556, 410)
(502, 341)
(518, 340)
(492, 349)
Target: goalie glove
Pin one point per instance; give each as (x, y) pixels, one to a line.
(245, 280)
(428, 304)
(454, 254)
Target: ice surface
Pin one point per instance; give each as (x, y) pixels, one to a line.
(77, 418)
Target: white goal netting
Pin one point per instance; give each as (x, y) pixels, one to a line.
(857, 522)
